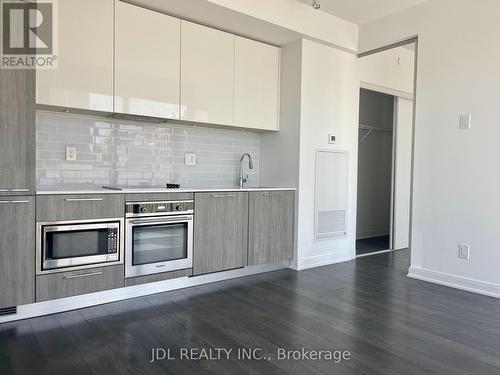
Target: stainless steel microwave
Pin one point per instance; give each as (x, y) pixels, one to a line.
(70, 245)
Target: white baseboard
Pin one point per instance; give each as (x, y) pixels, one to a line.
(458, 282)
(323, 260)
(77, 302)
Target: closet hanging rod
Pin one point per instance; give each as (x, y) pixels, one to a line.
(375, 128)
(371, 129)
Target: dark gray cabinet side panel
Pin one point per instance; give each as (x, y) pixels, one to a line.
(146, 197)
(67, 284)
(17, 250)
(17, 131)
(158, 277)
(270, 227)
(79, 207)
(220, 231)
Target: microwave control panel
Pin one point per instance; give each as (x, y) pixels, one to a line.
(113, 240)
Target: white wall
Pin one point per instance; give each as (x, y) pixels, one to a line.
(392, 69)
(330, 103)
(277, 21)
(320, 92)
(299, 17)
(456, 188)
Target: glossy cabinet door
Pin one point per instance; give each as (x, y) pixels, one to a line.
(17, 132)
(207, 74)
(17, 250)
(270, 226)
(147, 62)
(256, 84)
(84, 77)
(220, 231)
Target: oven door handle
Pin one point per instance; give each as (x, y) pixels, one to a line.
(162, 221)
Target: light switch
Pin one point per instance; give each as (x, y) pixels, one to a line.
(70, 153)
(331, 138)
(464, 252)
(190, 158)
(465, 121)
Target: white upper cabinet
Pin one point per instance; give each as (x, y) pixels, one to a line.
(147, 62)
(256, 84)
(207, 75)
(117, 57)
(84, 77)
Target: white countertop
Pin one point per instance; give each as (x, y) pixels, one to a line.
(145, 190)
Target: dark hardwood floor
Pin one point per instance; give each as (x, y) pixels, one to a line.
(389, 323)
(372, 245)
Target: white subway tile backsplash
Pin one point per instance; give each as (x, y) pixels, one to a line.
(124, 153)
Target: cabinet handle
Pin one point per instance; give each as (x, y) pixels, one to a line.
(84, 199)
(4, 190)
(223, 195)
(69, 277)
(15, 202)
(4, 202)
(20, 190)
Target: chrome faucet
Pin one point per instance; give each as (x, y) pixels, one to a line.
(250, 166)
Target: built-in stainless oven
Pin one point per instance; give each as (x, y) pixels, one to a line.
(69, 245)
(159, 237)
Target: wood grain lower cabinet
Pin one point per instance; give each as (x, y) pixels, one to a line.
(220, 231)
(80, 207)
(158, 277)
(17, 251)
(73, 283)
(270, 227)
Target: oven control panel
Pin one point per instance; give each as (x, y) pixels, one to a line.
(138, 209)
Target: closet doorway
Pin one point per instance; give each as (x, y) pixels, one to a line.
(385, 149)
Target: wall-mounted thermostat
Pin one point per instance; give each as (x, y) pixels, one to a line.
(465, 121)
(331, 138)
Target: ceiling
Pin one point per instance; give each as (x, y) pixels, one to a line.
(362, 11)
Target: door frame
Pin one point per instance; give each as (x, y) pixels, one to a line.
(405, 95)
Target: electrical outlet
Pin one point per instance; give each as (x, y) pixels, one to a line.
(331, 138)
(190, 158)
(70, 153)
(465, 121)
(464, 251)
